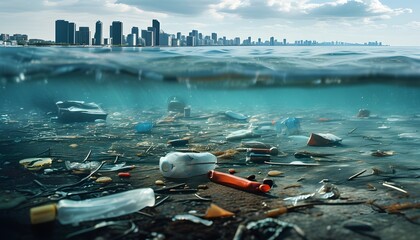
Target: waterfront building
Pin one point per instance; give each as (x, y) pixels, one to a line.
(117, 33)
(153, 30)
(148, 38)
(156, 26)
(165, 40)
(214, 37)
(190, 41)
(83, 36)
(132, 39)
(98, 39)
(135, 30)
(61, 32)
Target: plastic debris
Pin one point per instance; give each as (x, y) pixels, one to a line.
(257, 158)
(363, 113)
(289, 126)
(241, 134)
(215, 211)
(326, 191)
(175, 104)
(236, 116)
(35, 164)
(119, 204)
(144, 127)
(380, 153)
(184, 165)
(88, 166)
(192, 218)
(270, 228)
(79, 111)
(323, 139)
(237, 182)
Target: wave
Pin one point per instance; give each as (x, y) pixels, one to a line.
(219, 67)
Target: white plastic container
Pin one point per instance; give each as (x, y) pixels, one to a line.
(184, 165)
(69, 211)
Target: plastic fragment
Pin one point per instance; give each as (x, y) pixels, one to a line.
(192, 218)
(215, 211)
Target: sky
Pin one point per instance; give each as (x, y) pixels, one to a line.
(393, 22)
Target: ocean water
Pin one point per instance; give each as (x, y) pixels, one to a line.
(384, 80)
(323, 87)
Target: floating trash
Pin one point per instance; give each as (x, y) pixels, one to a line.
(79, 111)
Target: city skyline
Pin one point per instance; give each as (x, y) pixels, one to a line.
(392, 22)
(66, 33)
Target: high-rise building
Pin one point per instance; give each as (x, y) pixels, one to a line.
(272, 41)
(61, 32)
(99, 38)
(156, 26)
(135, 30)
(178, 35)
(284, 41)
(214, 37)
(72, 33)
(237, 41)
(132, 39)
(148, 37)
(165, 40)
(191, 41)
(153, 30)
(117, 33)
(84, 36)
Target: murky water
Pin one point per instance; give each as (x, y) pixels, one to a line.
(323, 88)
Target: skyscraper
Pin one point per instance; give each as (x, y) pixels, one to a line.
(72, 33)
(156, 26)
(61, 32)
(272, 41)
(153, 30)
(84, 36)
(99, 40)
(135, 30)
(148, 37)
(214, 37)
(117, 33)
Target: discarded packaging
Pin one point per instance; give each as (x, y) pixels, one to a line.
(326, 191)
(35, 164)
(289, 126)
(241, 134)
(69, 211)
(88, 166)
(323, 139)
(184, 165)
(79, 111)
(237, 182)
(363, 113)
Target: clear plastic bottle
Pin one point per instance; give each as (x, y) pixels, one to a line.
(184, 165)
(69, 211)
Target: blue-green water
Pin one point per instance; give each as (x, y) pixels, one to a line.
(385, 80)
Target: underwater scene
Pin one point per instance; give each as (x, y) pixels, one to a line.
(210, 142)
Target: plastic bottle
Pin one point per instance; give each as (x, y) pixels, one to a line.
(69, 211)
(184, 165)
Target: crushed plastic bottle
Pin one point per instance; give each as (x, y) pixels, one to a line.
(184, 165)
(69, 211)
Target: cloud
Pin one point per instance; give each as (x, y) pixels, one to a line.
(306, 9)
(183, 7)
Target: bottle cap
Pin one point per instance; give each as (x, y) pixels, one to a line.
(42, 214)
(166, 166)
